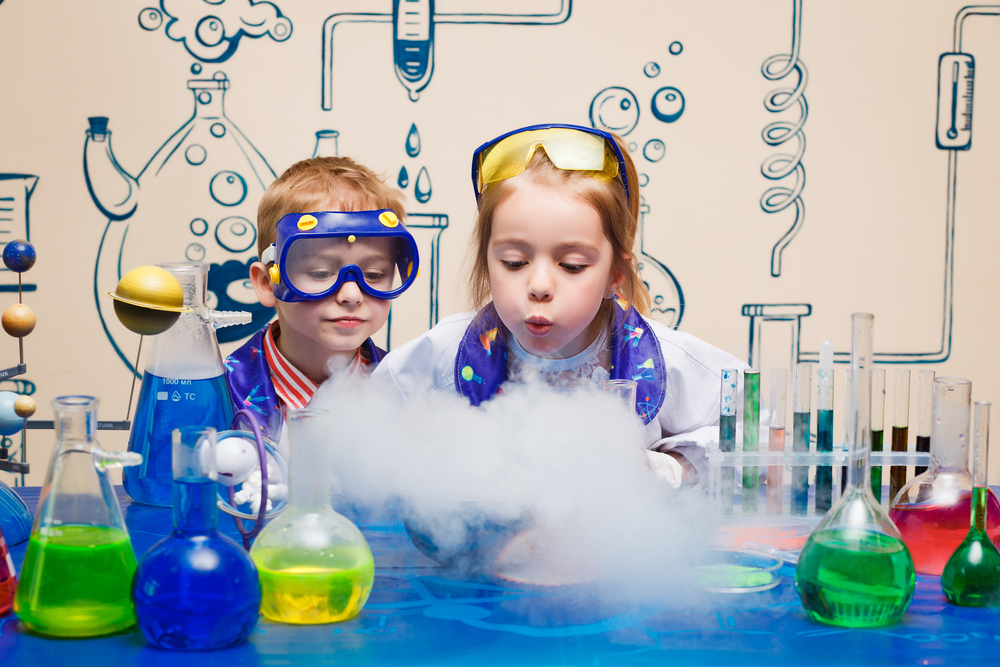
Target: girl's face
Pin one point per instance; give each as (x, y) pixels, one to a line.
(550, 268)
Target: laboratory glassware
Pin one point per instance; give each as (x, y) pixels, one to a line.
(727, 432)
(8, 577)
(751, 425)
(776, 438)
(196, 589)
(79, 564)
(801, 418)
(184, 385)
(925, 397)
(824, 425)
(315, 565)
(855, 570)
(900, 428)
(878, 427)
(971, 577)
(932, 509)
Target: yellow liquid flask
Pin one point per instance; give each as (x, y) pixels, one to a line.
(77, 573)
(315, 566)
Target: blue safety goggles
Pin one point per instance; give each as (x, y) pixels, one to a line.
(314, 254)
(568, 147)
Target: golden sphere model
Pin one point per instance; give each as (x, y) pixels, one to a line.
(148, 300)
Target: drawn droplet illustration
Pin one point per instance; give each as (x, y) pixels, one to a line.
(404, 177)
(422, 188)
(413, 141)
(654, 150)
(668, 104)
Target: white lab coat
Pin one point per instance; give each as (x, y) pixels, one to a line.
(688, 418)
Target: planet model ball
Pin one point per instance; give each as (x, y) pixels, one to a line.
(24, 406)
(19, 256)
(148, 300)
(10, 422)
(18, 320)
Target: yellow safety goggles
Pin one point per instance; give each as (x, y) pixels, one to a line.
(568, 147)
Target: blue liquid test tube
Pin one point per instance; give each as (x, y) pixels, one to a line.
(776, 438)
(751, 424)
(824, 425)
(727, 434)
(802, 417)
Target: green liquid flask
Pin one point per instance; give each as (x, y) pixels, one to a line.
(77, 572)
(855, 571)
(971, 577)
(315, 565)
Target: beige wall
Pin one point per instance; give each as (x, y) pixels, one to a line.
(873, 236)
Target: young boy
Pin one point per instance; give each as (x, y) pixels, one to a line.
(333, 253)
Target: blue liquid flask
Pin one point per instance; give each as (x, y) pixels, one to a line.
(184, 385)
(196, 590)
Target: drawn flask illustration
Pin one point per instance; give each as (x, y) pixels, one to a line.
(79, 564)
(315, 565)
(197, 202)
(184, 385)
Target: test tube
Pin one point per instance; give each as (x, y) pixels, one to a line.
(727, 433)
(848, 430)
(751, 423)
(824, 426)
(801, 417)
(900, 428)
(776, 438)
(878, 427)
(925, 396)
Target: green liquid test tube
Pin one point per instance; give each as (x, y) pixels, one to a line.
(751, 424)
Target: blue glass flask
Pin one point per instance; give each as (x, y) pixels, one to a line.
(196, 589)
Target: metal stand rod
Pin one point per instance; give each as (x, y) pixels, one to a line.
(135, 374)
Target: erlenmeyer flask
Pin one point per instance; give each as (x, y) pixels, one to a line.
(78, 568)
(8, 578)
(855, 570)
(196, 589)
(932, 510)
(315, 565)
(971, 576)
(184, 385)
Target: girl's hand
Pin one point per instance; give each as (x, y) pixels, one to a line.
(666, 468)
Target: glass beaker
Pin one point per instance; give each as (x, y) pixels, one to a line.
(932, 510)
(196, 589)
(855, 570)
(184, 385)
(78, 568)
(971, 576)
(315, 565)
(8, 578)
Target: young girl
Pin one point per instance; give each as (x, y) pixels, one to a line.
(560, 297)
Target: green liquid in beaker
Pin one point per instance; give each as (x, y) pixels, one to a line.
(855, 578)
(971, 577)
(76, 582)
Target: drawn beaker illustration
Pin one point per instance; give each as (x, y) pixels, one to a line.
(15, 192)
(199, 195)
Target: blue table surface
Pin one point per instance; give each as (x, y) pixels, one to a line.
(421, 614)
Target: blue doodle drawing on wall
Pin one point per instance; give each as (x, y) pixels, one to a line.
(212, 33)
(413, 33)
(618, 110)
(781, 165)
(206, 177)
(422, 186)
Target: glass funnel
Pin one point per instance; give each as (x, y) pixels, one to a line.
(971, 577)
(184, 385)
(855, 570)
(196, 589)
(932, 510)
(315, 565)
(76, 574)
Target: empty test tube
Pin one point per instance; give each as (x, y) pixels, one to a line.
(801, 417)
(727, 433)
(925, 396)
(900, 428)
(776, 438)
(878, 427)
(824, 425)
(751, 423)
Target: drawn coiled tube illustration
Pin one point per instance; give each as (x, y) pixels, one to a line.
(782, 165)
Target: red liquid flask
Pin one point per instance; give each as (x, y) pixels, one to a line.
(8, 580)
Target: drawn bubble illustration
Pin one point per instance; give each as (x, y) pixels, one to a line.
(643, 180)
(150, 18)
(654, 150)
(228, 188)
(676, 48)
(668, 104)
(632, 146)
(615, 109)
(195, 154)
(199, 226)
(235, 233)
(413, 141)
(210, 31)
(404, 177)
(196, 68)
(218, 130)
(651, 69)
(422, 188)
(195, 252)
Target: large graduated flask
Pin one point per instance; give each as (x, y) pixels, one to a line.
(78, 568)
(184, 385)
(932, 510)
(855, 570)
(315, 565)
(196, 589)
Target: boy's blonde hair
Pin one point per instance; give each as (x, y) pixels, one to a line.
(619, 219)
(322, 184)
